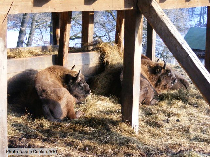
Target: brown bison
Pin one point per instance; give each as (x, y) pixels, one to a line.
(161, 76)
(147, 92)
(155, 78)
(58, 89)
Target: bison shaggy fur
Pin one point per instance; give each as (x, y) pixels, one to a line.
(58, 89)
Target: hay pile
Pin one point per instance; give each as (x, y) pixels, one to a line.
(108, 81)
(179, 125)
(27, 52)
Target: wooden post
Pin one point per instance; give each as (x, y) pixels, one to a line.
(55, 29)
(177, 45)
(3, 85)
(151, 38)
(65, 25)
(132, 67)
(87, 28)
(207, 53)
(119, 35)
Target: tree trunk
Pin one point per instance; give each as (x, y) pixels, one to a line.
(32, 31)
(22, 31)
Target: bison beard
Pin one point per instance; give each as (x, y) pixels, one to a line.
(58, 89)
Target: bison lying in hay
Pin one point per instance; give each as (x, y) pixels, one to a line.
(178, 125)
(51, 93)
(156, 77)
(58, 89)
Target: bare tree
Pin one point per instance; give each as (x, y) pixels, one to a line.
(32, 30)
(22, 32)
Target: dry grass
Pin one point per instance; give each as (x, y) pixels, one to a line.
(26, 52)
(179, 125)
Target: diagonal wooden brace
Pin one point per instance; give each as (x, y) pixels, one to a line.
(177, 45)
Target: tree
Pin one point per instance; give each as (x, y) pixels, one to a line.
(32, 30)
(22, 32)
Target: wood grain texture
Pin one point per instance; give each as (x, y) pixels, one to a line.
(36, 6)
(65, 25)
(87, 27)
(207, 53)
(132, 68)
(177, 45)
(119, 35)
(3, 86)
(151, 41)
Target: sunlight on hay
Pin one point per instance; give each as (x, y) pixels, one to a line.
(23, 53)
(179, 125)
(110, 55)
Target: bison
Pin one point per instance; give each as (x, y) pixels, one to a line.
(57, 89)
(161, 76)
(147, 94)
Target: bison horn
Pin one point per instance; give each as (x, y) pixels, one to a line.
(77, 77)
(164, 66)
(73, 67)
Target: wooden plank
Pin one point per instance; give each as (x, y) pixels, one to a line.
(119, 35)
(173, 4)
(36, 6)
(177, 45)
(3, 85)
(87, 62)
(56, 28)
(151, 41)
(207, 53)
(65, 25)
(132, 68)
(87, 28)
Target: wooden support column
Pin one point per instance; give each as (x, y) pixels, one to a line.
(87, 28)
(65, 25)
(132, 67)
(3, 85)
(119, 35)
(177, 45)
(55, 29)
(207, 53)
(151, 41)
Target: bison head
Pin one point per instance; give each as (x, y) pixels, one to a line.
(77, 86)
(166, 80)
(165, 77)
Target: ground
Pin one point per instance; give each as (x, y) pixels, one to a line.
(179, 125)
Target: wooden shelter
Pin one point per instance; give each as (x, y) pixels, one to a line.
(129, 11)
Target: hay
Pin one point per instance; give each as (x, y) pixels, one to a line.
(177, 126)
(26, 52)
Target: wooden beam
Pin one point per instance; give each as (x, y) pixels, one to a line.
(55, 28)
(151, 41)
(177, 45)
(174, 4)
(36, 6)
(132, 68)
(87, 28)
(119, 35)
(65, 25)
(207, 53)
(3, 85)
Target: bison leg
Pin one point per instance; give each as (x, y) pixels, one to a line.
(52, 110)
